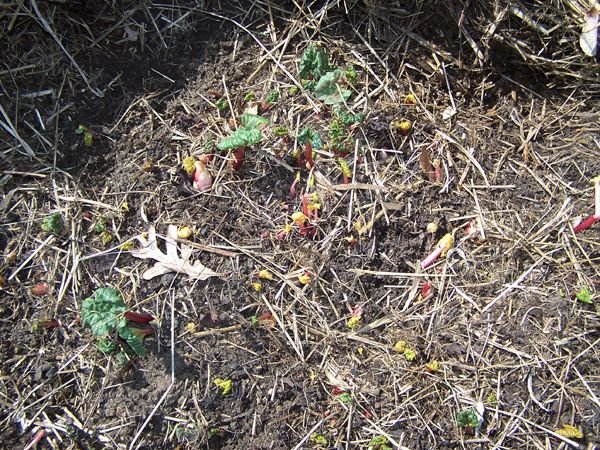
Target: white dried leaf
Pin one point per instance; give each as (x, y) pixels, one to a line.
(170, 262)
(588, 41)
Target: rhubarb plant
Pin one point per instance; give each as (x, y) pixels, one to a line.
(53, 223)
(247, 135)
(106, 315)
(324, 80)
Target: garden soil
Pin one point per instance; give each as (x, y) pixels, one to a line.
(499, 155)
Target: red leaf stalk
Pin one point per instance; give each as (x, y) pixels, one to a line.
(308, 156)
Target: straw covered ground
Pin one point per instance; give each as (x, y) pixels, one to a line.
(290, 304)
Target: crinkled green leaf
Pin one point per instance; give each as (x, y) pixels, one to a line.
(467, 417)
(135, 341)
(347, 118)
(242, 137)
(272, 97)
(245, 136)
(252, 120)
(313, 63)
(103, 312)
(310, 135)
(106, 346)
(328, 91)
(53, 223)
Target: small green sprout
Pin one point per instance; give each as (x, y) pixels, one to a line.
(350, 75)
(122, 360)
(106, 237)
(245, 136)
(492, 399)
(106, 346)
(222, 104)
(281, 131)
(379, 443)
(225, 385)
(88, 136)
(272, 97)
(346, 172)
(250, 97)
(347, 118)
(318, 439)
(467, 418)
(309, 135)
(100, 226)
(410, 354)
(53, 223)
(293, 90)
(345, 398)
(314, 63)
(584, 296)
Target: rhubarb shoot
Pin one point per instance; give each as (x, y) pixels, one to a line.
(346, 172)
(440, 249)
(591, 220)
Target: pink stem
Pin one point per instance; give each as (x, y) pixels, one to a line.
(433, 256)
(36, 439)
(585, 224)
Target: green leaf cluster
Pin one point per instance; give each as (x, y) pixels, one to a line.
(104, 313)
(309, 135)
(583, 295)
(272, 97)
(467, 417)
(347, 118)
(379, 443)
(329, 91)
(314, 63)
(247, 135)
(350, 75)
(53, 223)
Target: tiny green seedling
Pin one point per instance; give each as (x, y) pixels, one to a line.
(584, 296)
(271, 98)
(222, 104)
(468, 419)
(88, 136)
(346, 172)
(318, 439)
(247, 135)
(53, 223)
(105, 313)
(379, 443)
(350, 75)
(224, 384)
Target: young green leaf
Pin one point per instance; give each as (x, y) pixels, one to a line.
(53, 223)
(247, 135)
(347, 118)
(328, 91)
(103, 312)
(272, 97)
(313, 63)
(583, 295)
(242, 137)
(134, 339)
(252, 120)
(467, 417)
(310, 135)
